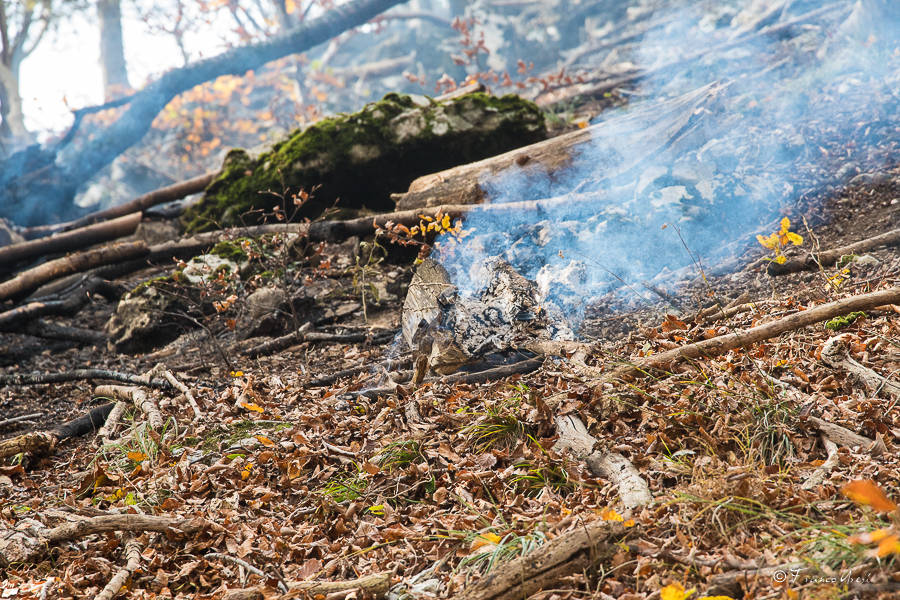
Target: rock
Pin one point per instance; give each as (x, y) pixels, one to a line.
(145, 319)
(360, 158)
(265, 312)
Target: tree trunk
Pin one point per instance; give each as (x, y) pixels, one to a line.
(53, 184)
(112, 49)
(12, 129)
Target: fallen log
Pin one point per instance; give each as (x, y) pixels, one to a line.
(304, 335)
(828, 258)
(70, 240)
(42, 443)
(724, 343)
(579, 550)
(651, 129)
(70, 303)
(30, 280)
(30, 542)
(54, 331)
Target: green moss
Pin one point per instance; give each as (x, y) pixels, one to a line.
(231, 250)
(360, 158)
(139, 288)
(844, 321)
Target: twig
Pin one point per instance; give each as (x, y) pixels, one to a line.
(133, 561)
(818, 476)
(336, 450)
(170, 377)
(20, 418)
(242, 563)
(80, 374)
(301, 335)
(106, 432)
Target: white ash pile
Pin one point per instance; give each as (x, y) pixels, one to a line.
(453, 329)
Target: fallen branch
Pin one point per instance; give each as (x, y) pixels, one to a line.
(136, 396)
(30, 542)
(830, 257)
(836, 354)
(574, 437)
(170, 377)
(80, 374)
(105, 433)
(64, 242)
(29, 280)
(133, 561)
(577, 551)
(375, 586)
(724, 343)
(42, 443)
(301, 336)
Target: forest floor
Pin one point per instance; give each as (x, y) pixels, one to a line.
(451, 480)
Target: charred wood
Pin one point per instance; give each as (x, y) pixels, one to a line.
(42, 443)
(82, 374)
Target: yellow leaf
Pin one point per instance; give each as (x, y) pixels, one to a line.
(264, 440)
(675, 591)
(794, 238)
(770, 242)
(716, 598)
(137, 456)
(629, 523)
(245, 473)
(785, 225)
(889, 545)
(485, 539)
(611, 515)
(867, 493)
(237, 373)
(781, 259)
(445, 222)
(252, 406)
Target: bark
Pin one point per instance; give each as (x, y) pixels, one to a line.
(112, 49)
(28, 281)
(58, 181)
(724, 343)
(579, 550)
(374, 586)
(137, 397)
(70, 240)
(42, 443)
(830, 257)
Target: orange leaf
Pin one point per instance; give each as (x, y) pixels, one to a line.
(611, 515)
(252, 406)
(137, 456)
(264, 440)
(889, 545)
(867, 493)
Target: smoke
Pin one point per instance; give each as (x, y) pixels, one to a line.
(707, 154)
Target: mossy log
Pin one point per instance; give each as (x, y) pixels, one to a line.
(357, 160)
